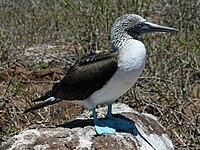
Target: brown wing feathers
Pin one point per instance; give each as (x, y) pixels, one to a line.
(84, 78)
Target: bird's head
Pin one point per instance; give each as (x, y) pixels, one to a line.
(131, 25)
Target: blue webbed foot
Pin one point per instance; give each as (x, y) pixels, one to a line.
(111, 123)
(105, 126)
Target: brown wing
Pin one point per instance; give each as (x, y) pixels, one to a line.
(87, 76)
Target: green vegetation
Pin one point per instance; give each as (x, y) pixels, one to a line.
(38, 35)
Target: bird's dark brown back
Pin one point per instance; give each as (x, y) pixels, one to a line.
(86, 76)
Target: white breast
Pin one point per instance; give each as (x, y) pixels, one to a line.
(132, 56)
(131, 62)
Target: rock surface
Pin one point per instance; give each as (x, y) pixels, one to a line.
(145, 134)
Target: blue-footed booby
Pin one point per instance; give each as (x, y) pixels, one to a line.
(104, 77)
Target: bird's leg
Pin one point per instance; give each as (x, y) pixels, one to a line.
(94, 115)
(109, 113)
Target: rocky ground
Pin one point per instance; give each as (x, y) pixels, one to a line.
(138, 131)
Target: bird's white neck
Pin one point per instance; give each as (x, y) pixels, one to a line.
(119, 40)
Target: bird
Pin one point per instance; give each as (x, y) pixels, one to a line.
(102, 78)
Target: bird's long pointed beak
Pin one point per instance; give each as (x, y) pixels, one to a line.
(152, 27)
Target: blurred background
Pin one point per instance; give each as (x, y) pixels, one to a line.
(40, 40)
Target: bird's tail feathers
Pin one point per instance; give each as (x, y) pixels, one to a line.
(48, 101)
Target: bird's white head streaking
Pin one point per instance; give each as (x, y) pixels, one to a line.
(102, 78)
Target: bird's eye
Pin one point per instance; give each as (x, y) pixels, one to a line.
(139, 26)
